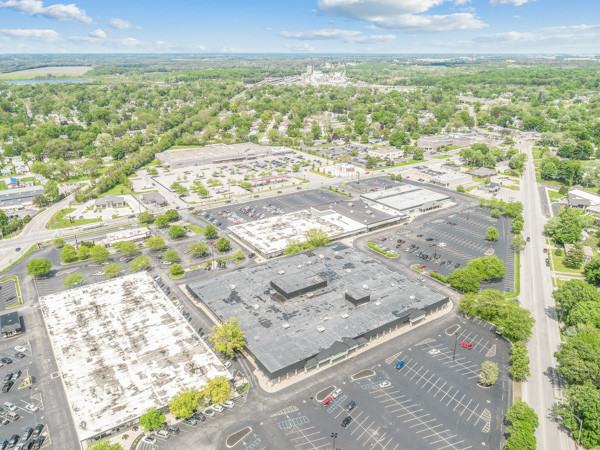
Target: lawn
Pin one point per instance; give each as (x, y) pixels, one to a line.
(119, 189)
(321, 173)
(559, 265)
(196, 229)
(60, 220)
(3, 185)
(554, 194)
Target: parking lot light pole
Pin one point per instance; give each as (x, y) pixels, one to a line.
(333, 435)
(455, 343)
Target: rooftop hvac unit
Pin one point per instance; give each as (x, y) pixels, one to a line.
(285, 325)
(348, 270)
(365, 287)
(320, 329)
(255, 306)
(377, 303)
(232, 287)
(321, 256)
(336, 253)
(412, 297)
(344, 316)
(299, 266)
(310, 295)
(281, 272)
(350, 204)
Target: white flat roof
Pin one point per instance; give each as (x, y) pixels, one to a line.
(273, 234)
(121, 348)
(452, 176)
(405, 197)
(594, 199)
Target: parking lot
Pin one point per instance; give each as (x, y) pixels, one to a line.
(21, 407)
(9, 294)
(372, 184)
(259, 209)
(450, 240)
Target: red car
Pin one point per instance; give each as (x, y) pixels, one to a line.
(422, 266)
(465, 345)
(327, 401)
(545, 250)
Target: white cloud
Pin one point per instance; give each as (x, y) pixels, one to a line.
(516, 16)
(49, 36)
(122, 24)
(98, 34)
(403, 15)
(582, 27)
(461, 2)
(58, 12)
(349, 36)
(300, 47)
(323, 34)
(509, 2)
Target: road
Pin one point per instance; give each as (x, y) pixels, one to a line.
(542, 388)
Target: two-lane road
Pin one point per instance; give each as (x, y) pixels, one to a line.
(542, 389)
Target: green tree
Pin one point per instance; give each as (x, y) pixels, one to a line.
(418, 154)
(492, 234)
(523, 422)
(38, 267)
(517, 226)
(238, 255)
(83, 252)
(142, 262)
(572, 292)
(217, 389)
(579, 357)
(592, 271)
(574, 257)
(99, 253)
(223, 245)
(68, 253)
(580, 409)
(161, 221)
(488, 267)
(584, 313)
(567, 227)
(59, 242)
(185, 402)
(145, 218)
(176, 270)
(73, 280)
(155, 243)
(465, 280)
(112, 270)
(228, 337)
(519, 361)
(152, 419)
(496, 213)
(316, 238)
(177, 232)
(518, 243)
(104, 444)
(489, 373)
(210, 232)
(172, 215)
(172, 256)
(460, 188)
(51, 191)
(198, 249)
(128, 248)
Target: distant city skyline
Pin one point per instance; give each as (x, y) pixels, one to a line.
(296, 26)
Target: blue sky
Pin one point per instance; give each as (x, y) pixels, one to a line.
(294, 26)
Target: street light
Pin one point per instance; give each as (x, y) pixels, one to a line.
(455, 343)
(333, 435)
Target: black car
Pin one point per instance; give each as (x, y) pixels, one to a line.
(37, 430)
(39, 442)
(6, 360)
(8, 377)
(16, 375)
(457, 265)
(199, 416)
(171, 429)
(7, 386)
(3, 444)
(350, 406)
(27, 433)
(13, 440)
(346, 421)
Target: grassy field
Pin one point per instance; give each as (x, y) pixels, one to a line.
(196, 229)
(3, 185)
(119, 189)
(558, 263)
(60, 220)
(554, 194)
(321, 173)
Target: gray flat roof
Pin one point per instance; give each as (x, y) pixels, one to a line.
(360, 211)
(284, 334)
(404, 197)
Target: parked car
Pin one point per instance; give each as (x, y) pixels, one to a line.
(346, 421)
(30, 407)
(400, 365)
(6, 360)
(199, 416)
(336, 393)
(27, 433)
(13, 440)
(228, 404)
(10, 406)
(149, 440)
(163, 434)
(19, 355)
(37, 430)
(217, 408)
(16, 375)
(209, 413)
(385, 384)
(20, 348)
(327, 401)
(190, 421)
(433, 351)
(39, 442)
(172, 429)
(350, 406)
(466, 345)
(7, 377)
(7, 386)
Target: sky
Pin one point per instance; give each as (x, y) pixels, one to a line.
(296, 26)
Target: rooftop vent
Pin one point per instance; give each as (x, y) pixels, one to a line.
(348, 270)
(285, 325)
(281, 272)
(232, 287)
(336, 253)
(412, 297)
(255, 306)
(320, 329)
(310, 295)
(377, 303)
(344, 316)
(321, 256)
(299, 266)
(365, 287)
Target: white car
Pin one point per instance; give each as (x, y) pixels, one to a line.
(31, 408)
(336, 393)
(227, 364)
(149, 440)
(228, 404)
(433, 351)
(20, 348)
(217, 408)
(385, 384)
(10, 406)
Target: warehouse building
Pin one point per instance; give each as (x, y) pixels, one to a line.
(123, 347)
(407, 199)
(452, 180)
(20, 196)
(313, 308)
(218, 154)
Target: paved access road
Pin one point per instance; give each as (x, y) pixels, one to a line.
(542, 389)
